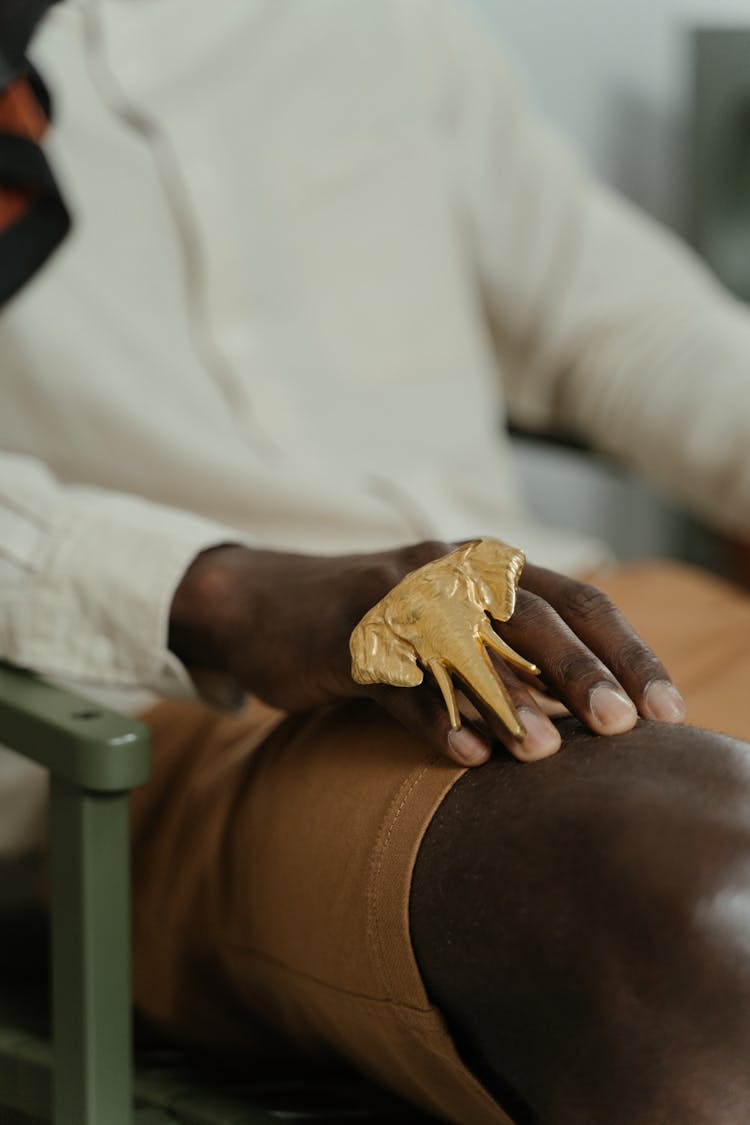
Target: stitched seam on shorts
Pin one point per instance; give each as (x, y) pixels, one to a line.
(221, 940)
(374, 934)
(260, 955)
(403, 1013)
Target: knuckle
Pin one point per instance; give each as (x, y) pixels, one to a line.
(375, 576)
(533, 613)
(516, 690)
(373, 583)
(577, 669)
(418, 554)
(635, 657)
(584, 601)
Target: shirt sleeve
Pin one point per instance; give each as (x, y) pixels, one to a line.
(605, 323)
(87, 578)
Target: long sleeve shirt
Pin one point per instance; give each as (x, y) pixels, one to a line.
(321, 253)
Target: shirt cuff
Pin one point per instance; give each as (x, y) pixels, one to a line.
(96, 605)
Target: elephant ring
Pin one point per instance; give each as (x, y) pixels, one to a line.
(437, 617)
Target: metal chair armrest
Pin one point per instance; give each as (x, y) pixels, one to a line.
(88, 746)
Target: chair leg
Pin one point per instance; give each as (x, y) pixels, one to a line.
(92, 1024)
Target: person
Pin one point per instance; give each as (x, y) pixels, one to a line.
(318, 252)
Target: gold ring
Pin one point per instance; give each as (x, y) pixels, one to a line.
(436, 617)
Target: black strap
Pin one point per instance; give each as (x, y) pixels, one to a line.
(18, 18)
(26, 245)
(28, 242)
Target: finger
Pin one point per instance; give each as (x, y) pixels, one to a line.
(467, 708)
(422, 711)
(600, 625)
(547, 704)
(541, 738)
(552, 708)
(570, 669)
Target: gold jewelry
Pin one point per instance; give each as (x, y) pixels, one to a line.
(437, 616)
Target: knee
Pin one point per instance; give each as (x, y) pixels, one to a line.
(652, 841)
(591, 914)
(651, 835)
(655, 920)
(657, 819)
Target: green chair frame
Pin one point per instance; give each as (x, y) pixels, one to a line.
(95, 757)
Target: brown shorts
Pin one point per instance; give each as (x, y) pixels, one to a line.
(273, 860)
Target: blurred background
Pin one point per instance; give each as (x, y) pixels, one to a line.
(656, 96)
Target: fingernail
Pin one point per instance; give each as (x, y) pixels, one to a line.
(542, 738)
(466, 748)
(663, 702)
(613, 712)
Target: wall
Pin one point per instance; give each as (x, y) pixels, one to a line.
(615, 74)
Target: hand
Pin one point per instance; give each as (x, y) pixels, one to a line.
(280, 624)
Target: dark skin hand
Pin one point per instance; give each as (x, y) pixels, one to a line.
(280, 623)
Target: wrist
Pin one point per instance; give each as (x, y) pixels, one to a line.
(203, 608)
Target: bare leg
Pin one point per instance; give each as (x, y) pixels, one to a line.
(584, 925)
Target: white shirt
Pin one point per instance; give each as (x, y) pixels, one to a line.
(320, 252)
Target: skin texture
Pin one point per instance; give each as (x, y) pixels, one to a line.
(584, 926)
(279, 624)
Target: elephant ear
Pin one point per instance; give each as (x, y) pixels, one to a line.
(380, 656)
(495, 570)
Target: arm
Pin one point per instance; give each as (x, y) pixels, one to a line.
(87, 577)
(106, 588)
(604, 322)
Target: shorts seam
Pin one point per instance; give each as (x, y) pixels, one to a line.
(403, 1013)
(374, 934)
(233, 947)
(268, 958)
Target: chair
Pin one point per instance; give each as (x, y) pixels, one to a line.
(95, 757)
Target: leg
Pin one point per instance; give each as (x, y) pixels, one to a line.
(584, 925)
(272, 885)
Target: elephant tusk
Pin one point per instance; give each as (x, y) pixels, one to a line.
(445, 684)
(498, 645)
(482, 680)
(437, 617)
